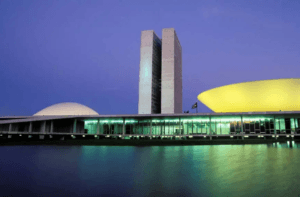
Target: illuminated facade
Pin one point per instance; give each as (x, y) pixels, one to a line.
(197, 125)
(160, 76)
(171, 82)
(254, 96)
(150, 74)
(212, 125)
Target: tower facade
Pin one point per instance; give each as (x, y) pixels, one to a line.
(171, 76)
(150, 74)
(160, 76)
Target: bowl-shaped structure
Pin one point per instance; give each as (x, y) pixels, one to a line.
(254, 96)
(66, 109)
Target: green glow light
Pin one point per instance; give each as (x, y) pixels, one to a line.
(131, 121)
(165, 120)
(90, 121)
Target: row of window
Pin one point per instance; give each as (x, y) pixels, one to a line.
(218, 126)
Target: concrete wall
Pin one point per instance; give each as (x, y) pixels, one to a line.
(149, 76)
(171, 83)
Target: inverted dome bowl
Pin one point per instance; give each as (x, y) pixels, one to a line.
(254, 96)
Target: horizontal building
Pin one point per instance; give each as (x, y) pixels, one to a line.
(156, 125)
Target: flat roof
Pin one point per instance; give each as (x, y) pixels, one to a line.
(19, 119)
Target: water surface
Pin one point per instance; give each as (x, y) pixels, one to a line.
(215, 170)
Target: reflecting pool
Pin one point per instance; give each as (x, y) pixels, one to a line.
(216, 170)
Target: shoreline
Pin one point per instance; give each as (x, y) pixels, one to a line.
(153, 142)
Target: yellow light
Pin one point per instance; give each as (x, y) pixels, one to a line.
(265, 95)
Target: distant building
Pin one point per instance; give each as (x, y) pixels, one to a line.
(160, 77)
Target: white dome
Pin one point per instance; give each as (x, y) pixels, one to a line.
(66, 109)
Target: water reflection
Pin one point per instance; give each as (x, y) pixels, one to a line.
(219, 170)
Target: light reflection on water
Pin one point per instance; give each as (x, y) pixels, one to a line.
(218, 170)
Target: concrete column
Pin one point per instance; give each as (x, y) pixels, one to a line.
(275, 132)
(151, 127)
(210, 128)
(51, 127)
(75, 125)
(43, 130)
(123, 130)
(98, 126)
(43, 127)
(210, 134)
(279, 126)
(180, 126)
(10, 127)
(242, 125)
(193, 127)
(242, 128)
(30, 127)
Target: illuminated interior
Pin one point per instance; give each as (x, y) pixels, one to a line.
(255, 96)
(201, 125)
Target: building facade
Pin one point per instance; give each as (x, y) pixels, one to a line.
(150, 74)
(171, 81)
(160, 75)
(158, 125)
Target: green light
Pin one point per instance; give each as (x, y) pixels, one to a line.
(131, 121)
(111, 121)
(165, 120)
(90, 121)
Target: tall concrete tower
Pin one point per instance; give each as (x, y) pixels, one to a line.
(171, 80)
(150, 74)
(160, 78)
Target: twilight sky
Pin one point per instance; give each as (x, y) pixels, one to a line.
(54, 51)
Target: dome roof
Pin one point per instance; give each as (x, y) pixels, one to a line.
(254, 96)
(66, 109)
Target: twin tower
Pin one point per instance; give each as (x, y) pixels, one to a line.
(160, 78)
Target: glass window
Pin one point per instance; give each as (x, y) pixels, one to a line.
(111, 126)
(90, 126)
(195, 125)
(226, 125)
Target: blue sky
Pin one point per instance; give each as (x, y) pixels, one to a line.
(88, 51)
